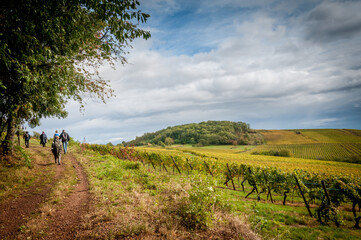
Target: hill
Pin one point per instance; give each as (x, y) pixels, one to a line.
(306, 136)
(201, 134)
(322, 144)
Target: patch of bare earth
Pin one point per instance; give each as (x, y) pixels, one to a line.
(15, 211)
(66, 221)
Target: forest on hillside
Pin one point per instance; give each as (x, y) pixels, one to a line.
(202, 134)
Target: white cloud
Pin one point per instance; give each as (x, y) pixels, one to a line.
(319, 122)
(263, 70)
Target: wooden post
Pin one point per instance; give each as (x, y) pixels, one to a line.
(254, 181)
(209, 170)
(230, 175)
(151, 161)
(269, 189)
(304, 199)
(165, 167)
(329, 203)
(326, 193)
(189, 164)
(175, 164)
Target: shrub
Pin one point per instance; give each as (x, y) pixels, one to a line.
(280, 153)
(197, 210)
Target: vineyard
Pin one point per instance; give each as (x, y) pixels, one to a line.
(307, 136)
(323, 191)
(320, 151)
(342, 145)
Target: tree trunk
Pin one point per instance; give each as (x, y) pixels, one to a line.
(7, 144)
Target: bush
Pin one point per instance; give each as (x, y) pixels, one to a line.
(280, 153)
(197, 210)
(349, 159)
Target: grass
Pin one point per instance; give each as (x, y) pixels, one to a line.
(133, 201)
(285, 137)
(22, 171)
(309, 136)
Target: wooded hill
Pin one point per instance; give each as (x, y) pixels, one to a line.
(202, 134)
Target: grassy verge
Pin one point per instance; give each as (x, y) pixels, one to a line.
(159, 200)
(22, 171)
(132, 201)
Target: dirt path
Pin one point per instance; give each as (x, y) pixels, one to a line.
(16, 211)
(67, 220)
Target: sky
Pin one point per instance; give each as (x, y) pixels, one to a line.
(273, 64)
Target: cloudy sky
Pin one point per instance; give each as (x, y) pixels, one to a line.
(273, 64)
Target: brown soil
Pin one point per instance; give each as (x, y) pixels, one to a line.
(16, 211)
(66, 221)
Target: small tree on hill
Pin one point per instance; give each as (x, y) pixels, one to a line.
(168, 141)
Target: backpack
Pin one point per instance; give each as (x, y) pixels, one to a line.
(64, 137)
(57, 145)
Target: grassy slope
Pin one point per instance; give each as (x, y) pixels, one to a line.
(322, 144)
(311, 136)
(134, 201)
(160, 197)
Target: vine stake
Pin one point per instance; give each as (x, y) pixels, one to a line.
(304, 199)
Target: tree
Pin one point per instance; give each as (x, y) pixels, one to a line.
(50, 51)
(168, 141)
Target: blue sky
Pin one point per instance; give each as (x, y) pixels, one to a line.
(272, 64)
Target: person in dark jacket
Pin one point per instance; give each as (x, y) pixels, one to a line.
(43, 139)
(64, 136)
(26, 138)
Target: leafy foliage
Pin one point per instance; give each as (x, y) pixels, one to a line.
(201, 134)
(50, 52)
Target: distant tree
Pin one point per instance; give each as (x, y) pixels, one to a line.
(168, 141)
(50, 52)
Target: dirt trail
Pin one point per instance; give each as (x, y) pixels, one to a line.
(16, 211)
(67, 220)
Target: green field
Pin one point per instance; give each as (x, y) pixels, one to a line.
(305, 136)
(320, 144)
(264, 187)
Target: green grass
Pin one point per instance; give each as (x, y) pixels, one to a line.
(271, 221)
(347, 152)
(309, 136)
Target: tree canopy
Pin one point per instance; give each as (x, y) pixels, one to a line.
(50, 51)
(201, 134)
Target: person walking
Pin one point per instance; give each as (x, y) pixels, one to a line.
(26, 138)
(64, 136)
(56, 148)
(55, 134)
(43, 139)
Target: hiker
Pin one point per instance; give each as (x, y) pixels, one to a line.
(56, 149)
(56, 134)
(43, 139)
(65, 139)
(26, 138)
